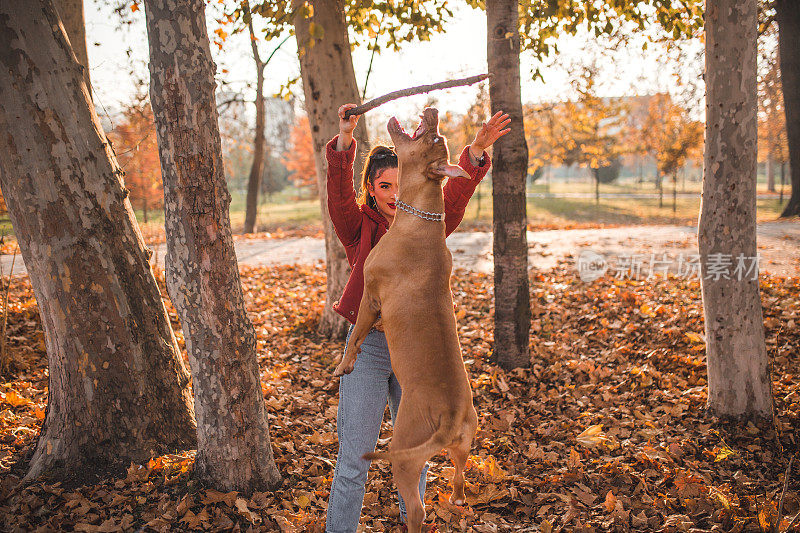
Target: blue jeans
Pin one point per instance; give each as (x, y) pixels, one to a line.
(362, 401)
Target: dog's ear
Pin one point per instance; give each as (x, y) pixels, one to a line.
(396, 132)
(446, 170)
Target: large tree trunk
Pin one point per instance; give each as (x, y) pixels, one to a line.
(71, 14)
(739, 382)
(254, 182)
(328, 82)
(119, 390)
(783, 182)
(788, 16)
(233, 446)
(512, 306)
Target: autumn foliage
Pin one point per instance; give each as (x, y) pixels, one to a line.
(584, 131)
(136, 147)
(299, 159)
(669, 135)
(772, 139)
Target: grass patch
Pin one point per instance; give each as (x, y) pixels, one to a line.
(289, 211)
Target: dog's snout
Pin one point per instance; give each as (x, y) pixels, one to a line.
(431, 117)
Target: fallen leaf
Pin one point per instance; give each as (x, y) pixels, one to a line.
(241, 506)
(610, 502)
(15, 400)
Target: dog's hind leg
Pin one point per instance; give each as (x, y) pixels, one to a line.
(411, 429)
(406, 476)
(367, 315)
(459, 453)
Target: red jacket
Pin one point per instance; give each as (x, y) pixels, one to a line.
(359, 227)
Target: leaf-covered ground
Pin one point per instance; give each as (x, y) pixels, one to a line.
(606, 431)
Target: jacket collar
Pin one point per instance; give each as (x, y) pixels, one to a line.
(375, 216)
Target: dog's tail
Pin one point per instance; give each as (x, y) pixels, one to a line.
(441, 438)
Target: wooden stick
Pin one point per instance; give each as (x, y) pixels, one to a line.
(793, 522)
(375, 102)
(783, 493)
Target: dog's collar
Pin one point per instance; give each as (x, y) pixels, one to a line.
(425, 215)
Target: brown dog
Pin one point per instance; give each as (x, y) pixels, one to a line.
(407, 281)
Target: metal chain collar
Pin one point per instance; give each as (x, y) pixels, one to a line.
(425, 215)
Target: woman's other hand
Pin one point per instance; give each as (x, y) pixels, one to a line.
(346, 127)
(496, 127)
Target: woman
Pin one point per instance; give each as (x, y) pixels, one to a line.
(359, 224)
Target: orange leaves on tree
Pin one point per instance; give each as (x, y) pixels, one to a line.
(772, 139)
(136, 148)
(584, 131)
(299, 159)
(670, 135)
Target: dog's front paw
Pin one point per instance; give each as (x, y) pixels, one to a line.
(343, 369)
(345, 366)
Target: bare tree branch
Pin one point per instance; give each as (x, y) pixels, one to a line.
(225, 104)
(372, 104)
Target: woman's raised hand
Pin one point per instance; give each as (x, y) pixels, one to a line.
(492, 130)
(347, 125)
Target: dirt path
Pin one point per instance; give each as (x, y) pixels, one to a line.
(778, 246)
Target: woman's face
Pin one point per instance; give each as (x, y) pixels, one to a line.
(384, 190)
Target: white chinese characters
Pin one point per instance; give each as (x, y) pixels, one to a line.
(717, 266)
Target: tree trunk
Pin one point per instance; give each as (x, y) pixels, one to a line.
(674, 192)
(548, 178)
(71, 14)
(328, 82)
(233, 446)
(144, 210)
(783, 181)
(512, 309)
(770, 172)
(640, 180)
(254, 181)
(739, 383)
(266, 177)
(119, 390)
(596, 176)
(788, 17)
